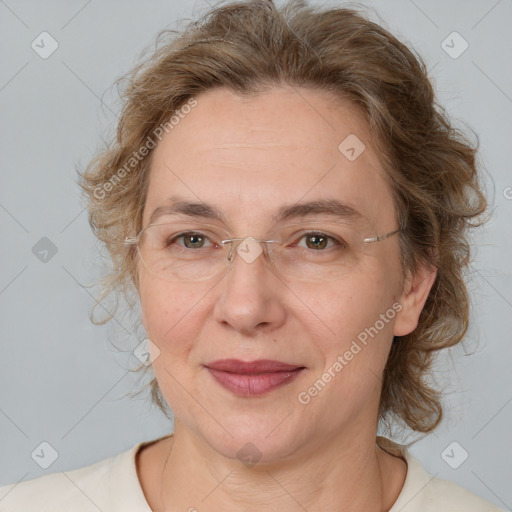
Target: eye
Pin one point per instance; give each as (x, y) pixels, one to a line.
(319, 241)
(191, 240)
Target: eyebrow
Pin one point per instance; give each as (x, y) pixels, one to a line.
(331, 207)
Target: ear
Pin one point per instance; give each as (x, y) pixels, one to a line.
(415, 291)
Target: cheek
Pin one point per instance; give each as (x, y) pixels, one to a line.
(354, 349)
(165, 311)
(354, 318)
(171, 317)
(353, 303)
(168, 318)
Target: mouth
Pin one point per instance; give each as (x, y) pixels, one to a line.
(253, 378)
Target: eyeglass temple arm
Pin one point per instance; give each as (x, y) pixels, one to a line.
(378, 238)
(134, 239)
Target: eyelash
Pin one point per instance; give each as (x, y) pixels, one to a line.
(336, 242)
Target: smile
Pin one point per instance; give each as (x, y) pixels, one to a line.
(253, 378)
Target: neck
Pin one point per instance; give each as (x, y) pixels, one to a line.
(346, 473)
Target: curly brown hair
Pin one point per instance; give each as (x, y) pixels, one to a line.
(250, 45)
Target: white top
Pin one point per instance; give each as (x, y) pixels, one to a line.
(112, 485)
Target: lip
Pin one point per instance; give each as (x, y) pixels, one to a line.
(253, 378)
(259, 366)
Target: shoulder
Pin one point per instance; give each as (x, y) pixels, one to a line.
(80, 488)
(110, 485)
(423, 492)
(445, 495)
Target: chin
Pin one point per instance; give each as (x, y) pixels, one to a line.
(255, 442)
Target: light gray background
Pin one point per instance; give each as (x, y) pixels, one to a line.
(61, 379)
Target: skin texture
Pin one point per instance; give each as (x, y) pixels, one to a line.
(248, 156)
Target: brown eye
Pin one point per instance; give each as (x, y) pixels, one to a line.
(316, 241)
(319, 241)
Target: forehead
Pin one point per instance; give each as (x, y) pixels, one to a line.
(248, 156)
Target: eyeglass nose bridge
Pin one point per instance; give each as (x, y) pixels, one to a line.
(235, 242)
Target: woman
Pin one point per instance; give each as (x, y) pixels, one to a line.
(292, 209)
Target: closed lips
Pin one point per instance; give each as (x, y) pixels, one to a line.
(252, 367)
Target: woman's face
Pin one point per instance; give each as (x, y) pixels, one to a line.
(247, 158)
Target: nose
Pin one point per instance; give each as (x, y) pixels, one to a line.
(251, 299)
